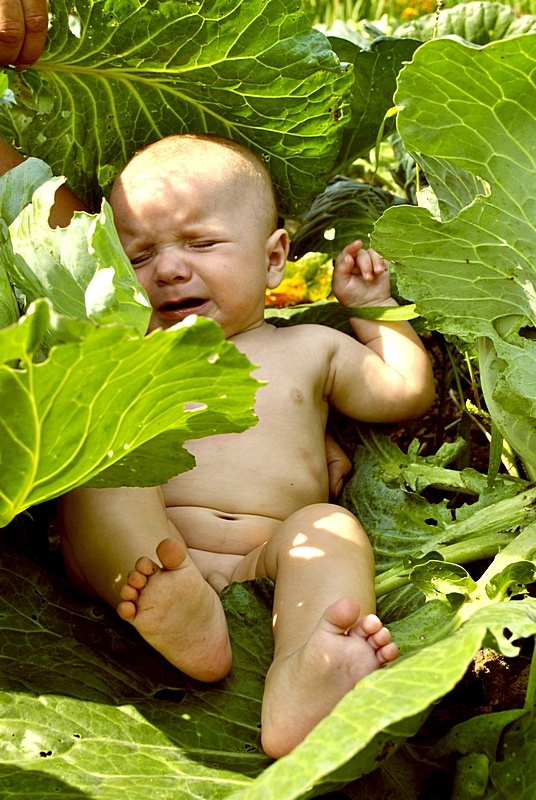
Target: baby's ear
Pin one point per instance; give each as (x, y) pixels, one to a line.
(277, 246)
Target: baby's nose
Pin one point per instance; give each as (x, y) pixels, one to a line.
(172, 266)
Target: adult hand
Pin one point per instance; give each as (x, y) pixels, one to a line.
(23, 31)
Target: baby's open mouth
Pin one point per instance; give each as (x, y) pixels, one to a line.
(183, 305)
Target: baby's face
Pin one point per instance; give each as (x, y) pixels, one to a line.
(195, 245)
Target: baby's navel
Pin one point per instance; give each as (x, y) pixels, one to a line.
(297, 396)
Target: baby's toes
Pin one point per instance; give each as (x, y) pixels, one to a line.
(137, 580)
(387, 653)
(126, 610)
(379, 638)
(368, 626)
(129, 593)
(145, 566)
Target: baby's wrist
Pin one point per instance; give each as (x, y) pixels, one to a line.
(387, 301)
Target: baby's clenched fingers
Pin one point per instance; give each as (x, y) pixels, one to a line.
(378, 263)
(344, 264)
(382, 265)
(348, 255)
(368, 264)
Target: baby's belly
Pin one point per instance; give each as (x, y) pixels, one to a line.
(216, 531)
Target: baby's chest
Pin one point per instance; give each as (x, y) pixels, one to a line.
(290, 384)
(294, 369)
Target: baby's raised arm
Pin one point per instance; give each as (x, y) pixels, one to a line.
(396, 374)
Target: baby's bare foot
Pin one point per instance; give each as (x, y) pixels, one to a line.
(178, 613)
(303, 687)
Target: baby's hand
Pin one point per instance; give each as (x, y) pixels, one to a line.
(360, 277)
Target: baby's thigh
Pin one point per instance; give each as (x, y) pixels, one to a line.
(247, 568)
(318, 530)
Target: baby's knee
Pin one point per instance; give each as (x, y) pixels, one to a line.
(315, 531)
(320, 519)
(320, 525)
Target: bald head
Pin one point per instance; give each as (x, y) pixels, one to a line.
(213, 156)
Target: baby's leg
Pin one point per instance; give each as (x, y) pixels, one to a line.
(165, 597)
(326, 636)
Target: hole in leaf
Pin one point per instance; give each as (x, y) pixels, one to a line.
(528, 332)
(431, 521)
(193, 406)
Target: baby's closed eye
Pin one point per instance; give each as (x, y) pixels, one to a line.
(203, 245)
(140, 260)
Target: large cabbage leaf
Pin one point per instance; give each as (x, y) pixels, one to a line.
(9, 310)
(89, 411)
(90, 710)
(471, 270)
(118, 74)
(376, 67)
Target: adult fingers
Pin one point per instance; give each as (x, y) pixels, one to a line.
(36, 27)
(23, 31)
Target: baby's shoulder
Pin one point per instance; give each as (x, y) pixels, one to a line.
(320, 335)
(302, 329)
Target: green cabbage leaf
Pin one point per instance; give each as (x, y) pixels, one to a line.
(469, 116)
(87, 413)
(118, 74)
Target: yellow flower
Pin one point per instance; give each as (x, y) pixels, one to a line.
(409, 13)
